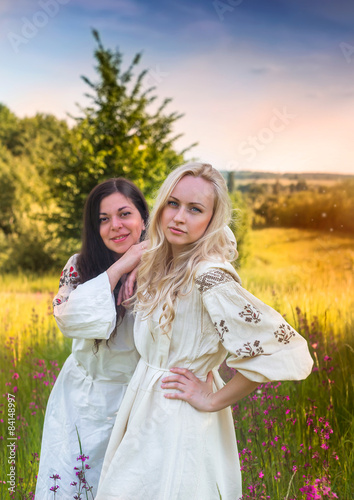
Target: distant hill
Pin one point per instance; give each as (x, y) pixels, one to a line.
(314, 176)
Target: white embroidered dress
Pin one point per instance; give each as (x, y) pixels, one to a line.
(89, 388)
(164, 449)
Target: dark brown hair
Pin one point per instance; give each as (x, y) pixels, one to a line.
(95, 257)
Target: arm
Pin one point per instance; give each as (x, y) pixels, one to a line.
(200, 394)
(263, 346)
(86, 310)
(126, 291)
(127, 263)
(131, 263)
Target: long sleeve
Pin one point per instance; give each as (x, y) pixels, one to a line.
(85, 311)
(262, 345)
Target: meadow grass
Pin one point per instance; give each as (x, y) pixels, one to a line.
(33, 350)
(295, 438)
(311, 270)
(29, 283)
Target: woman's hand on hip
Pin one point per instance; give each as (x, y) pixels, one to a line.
(190, 388)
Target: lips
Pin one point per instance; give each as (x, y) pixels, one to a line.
(176, 230)
(119, 239)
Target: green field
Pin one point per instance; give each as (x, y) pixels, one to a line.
(314, 271)
(295, 438)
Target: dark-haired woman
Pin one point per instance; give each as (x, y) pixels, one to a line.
(91, 385)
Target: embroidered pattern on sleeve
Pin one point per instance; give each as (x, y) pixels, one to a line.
(57, 302)
(223, 329)
(284, 333)
(212, 278)
(68, 277)
(250, 314)
(249, 351)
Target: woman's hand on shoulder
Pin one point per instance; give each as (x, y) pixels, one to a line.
(126, 263)
(190, 388)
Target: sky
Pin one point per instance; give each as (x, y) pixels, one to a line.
(263, 85)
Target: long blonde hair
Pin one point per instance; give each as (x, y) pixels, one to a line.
(162, 279)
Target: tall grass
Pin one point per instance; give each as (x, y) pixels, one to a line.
(33, 350)
(295, 438)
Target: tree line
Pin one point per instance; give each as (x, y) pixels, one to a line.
(301, 205)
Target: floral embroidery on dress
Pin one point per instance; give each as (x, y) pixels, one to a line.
(68, 277)
(212, 278)
(57, 302)
(223, 327)
(284, 333)
(249, 351)
(251, 314)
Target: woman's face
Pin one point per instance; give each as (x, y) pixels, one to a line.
(188, 212)
(120, 223)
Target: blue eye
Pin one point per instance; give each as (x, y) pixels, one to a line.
(172, 203)
(195, 209)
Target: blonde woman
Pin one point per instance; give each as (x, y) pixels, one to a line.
(191, 312)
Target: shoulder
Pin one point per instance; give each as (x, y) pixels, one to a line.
(72, 261)
(211, 274)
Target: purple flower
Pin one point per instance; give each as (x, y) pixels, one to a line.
(54, 476)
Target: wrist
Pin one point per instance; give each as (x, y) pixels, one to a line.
(114, 273)
(213, 402)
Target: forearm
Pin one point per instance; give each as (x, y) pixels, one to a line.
(237, 388)
(89, 310)
(115, 272)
